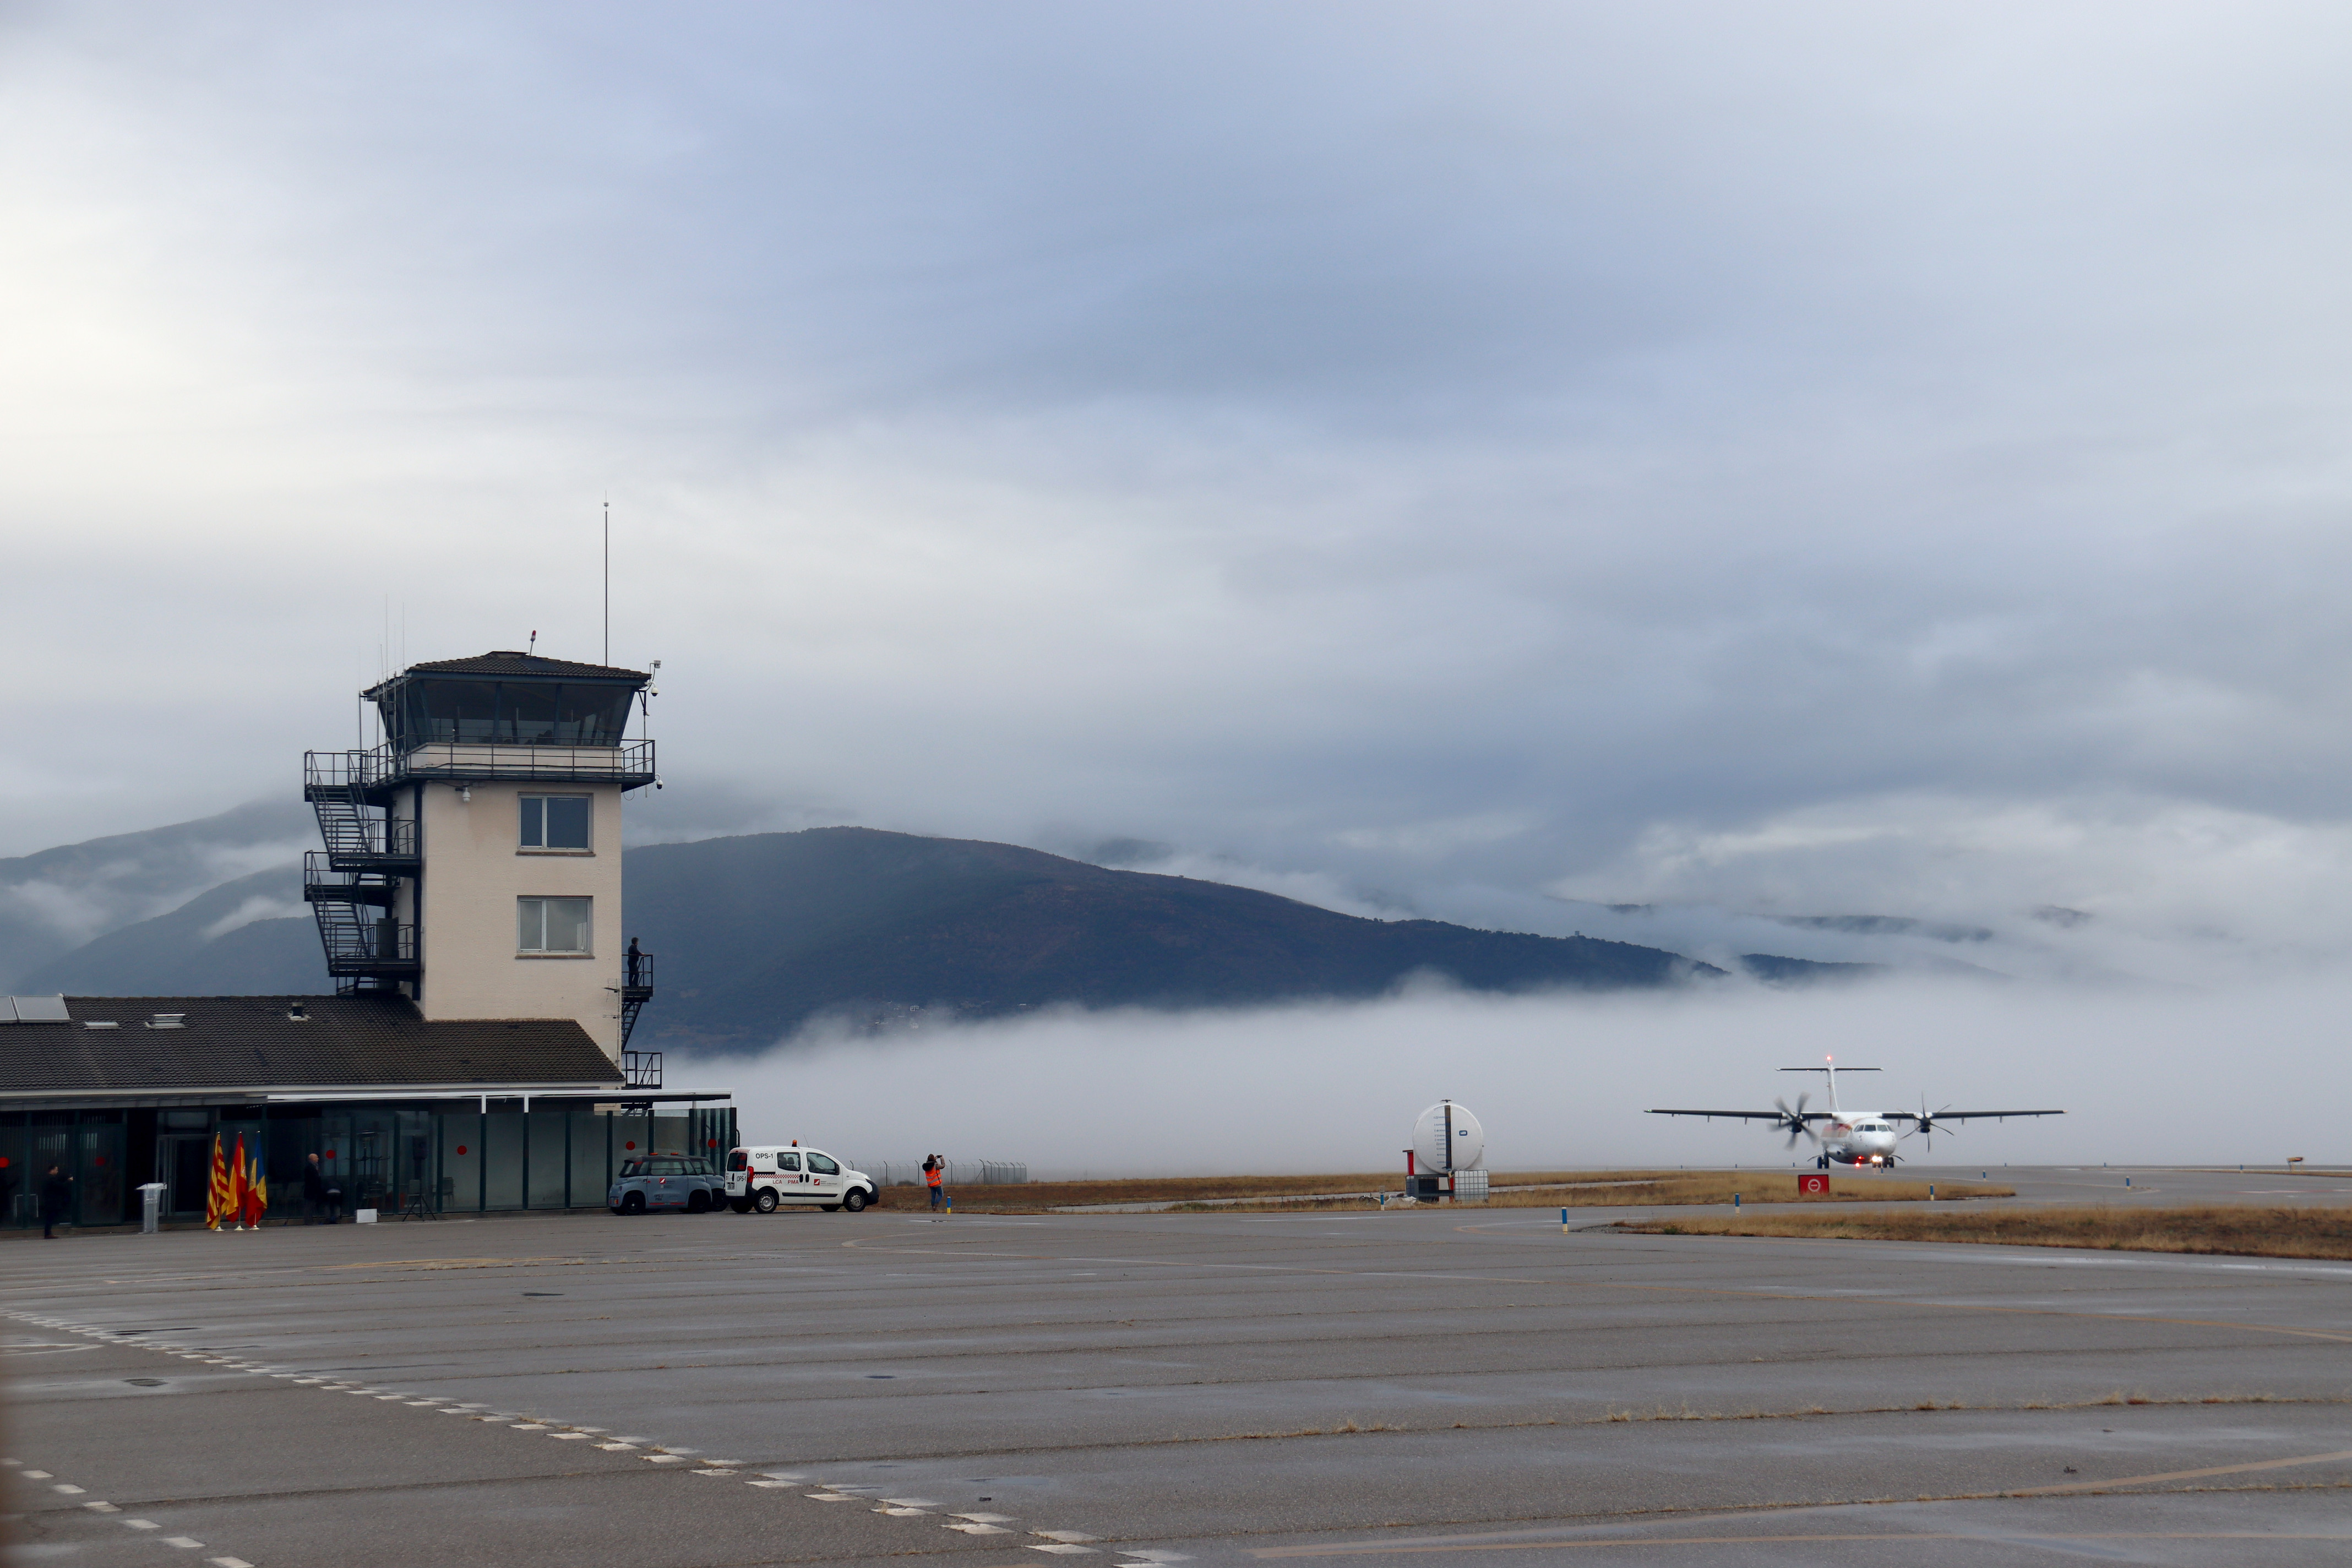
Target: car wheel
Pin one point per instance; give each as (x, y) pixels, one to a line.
(854, 1200)
(740, 1205)
(632, 1203)
(698, 1201)
(766, 1202)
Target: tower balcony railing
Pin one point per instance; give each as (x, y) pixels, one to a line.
(357, 843)
(326, 878)
(630, 765)
(369, 947)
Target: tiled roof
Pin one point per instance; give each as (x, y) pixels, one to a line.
(505, 662)
(250, 1041)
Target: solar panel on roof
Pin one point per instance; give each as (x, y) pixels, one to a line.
(41, 1010)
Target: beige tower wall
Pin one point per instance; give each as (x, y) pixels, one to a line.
(475, 870)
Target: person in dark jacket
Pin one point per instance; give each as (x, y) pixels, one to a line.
(57, 1200)
(317, 1195)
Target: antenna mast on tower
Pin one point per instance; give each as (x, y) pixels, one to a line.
(608, 579)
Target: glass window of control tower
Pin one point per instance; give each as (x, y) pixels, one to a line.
(551, 925)
(555, 822)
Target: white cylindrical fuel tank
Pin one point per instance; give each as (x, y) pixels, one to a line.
(1446, 1137)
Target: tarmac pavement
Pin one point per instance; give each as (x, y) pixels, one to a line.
(1457, 1382)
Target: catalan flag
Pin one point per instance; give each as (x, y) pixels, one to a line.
(216, 1198)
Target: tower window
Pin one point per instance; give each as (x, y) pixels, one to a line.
(555, 822)
(551, 925)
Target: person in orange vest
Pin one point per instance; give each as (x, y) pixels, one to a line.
(935, 1172)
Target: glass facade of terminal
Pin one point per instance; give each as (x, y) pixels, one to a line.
(390, 1156)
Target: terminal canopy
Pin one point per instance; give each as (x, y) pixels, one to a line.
(507, 698)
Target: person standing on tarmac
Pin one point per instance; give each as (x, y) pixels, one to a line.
(935, 1172)
(57, 1200)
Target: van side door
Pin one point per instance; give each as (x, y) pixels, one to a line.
(825, 1184)
(788, 1180)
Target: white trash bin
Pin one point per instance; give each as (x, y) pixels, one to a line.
(150, 1206)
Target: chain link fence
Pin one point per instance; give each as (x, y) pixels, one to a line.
(960, 1173)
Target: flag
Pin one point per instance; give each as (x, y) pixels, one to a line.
(234, 1207)
(256, 1194)
(216, 1198)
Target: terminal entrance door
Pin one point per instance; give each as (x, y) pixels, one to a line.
(187, 1165)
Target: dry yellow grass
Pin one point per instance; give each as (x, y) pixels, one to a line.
(1514, 1189)
(1689, 1187)
(2241, 1229)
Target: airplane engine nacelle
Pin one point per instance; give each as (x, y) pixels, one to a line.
(1446, 1137)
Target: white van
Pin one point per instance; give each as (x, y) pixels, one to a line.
(761, 1178)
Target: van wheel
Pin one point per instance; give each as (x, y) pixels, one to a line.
(697, 1202)
(854, 1200)
(766, 1202)
(740, 1205)
(632, 1203)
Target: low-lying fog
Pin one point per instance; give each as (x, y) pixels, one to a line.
(2145, 1075)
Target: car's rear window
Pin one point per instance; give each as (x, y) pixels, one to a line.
(633, 1168)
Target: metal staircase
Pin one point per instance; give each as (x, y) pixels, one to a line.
(353, 884)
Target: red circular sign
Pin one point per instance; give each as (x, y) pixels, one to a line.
(461, 1148)
(331, 1153)
(630, 1144)
(711, 1143)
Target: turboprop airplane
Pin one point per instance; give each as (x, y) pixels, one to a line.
(1855, 1137)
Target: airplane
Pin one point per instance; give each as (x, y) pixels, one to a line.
(1855, 1137)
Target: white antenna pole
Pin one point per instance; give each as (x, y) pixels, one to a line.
(608, 580)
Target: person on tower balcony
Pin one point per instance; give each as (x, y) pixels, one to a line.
(632, 963)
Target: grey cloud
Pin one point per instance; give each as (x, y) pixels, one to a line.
(1821, 460)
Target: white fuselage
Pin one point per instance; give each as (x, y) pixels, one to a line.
(1859, 1138)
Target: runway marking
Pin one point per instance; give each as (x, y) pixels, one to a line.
(1536, 1280)
(1987, 1537)
(2181, 1475)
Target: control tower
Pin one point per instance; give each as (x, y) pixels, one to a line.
(473, 860)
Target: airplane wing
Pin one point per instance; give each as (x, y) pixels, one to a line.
(1759, 1115)
(1965, 1115)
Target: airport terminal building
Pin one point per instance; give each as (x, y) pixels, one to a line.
(475, 1055)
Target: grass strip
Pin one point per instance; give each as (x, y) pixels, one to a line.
(2242, 1230)
(1511, 1189)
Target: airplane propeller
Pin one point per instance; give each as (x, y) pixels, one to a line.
(1927, 1124)
(1794, 1121)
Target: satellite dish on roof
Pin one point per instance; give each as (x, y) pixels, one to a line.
(1446, 1137)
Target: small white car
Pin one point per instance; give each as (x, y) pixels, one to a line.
(764, 1178)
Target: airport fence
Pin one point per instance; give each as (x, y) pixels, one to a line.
(960, 1173)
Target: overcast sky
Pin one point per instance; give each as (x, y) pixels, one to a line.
(1791, 460)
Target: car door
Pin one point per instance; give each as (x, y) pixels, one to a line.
(825, 1184)
(668, 1188)
(790, 1179)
